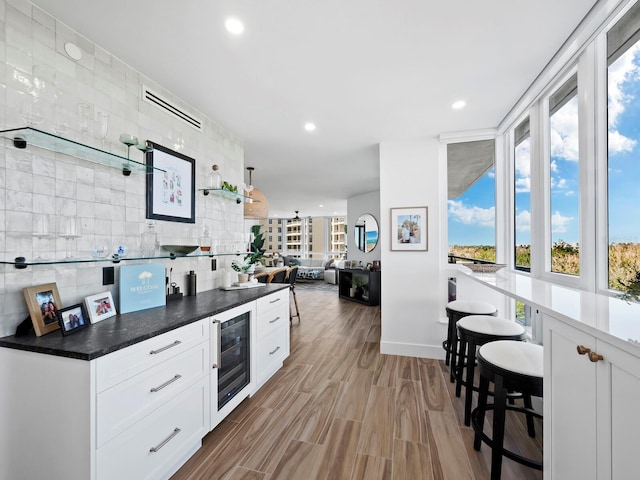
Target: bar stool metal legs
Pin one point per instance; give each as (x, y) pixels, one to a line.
(510, 365)
(475, 331)
(455, 311)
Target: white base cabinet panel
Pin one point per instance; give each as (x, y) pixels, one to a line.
(152, 446)
(590, 406)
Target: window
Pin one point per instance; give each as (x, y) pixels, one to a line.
(564, 179)
(471, 204)
(623, 84)
(522, 196)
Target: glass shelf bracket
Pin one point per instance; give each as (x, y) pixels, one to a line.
(24, 136)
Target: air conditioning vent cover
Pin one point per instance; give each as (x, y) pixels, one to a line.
(154, 98)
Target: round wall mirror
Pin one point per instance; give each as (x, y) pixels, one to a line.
(366, 232)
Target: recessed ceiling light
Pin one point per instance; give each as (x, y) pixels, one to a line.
(458, 105)
(233, 25)
(310, 127)
(321, 205)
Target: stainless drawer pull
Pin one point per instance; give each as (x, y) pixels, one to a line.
(165, 441)
(277, 348)
(166, 384)
(274, 301)
(275, 320)
(174, 344)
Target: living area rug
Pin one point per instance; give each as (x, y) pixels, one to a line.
(316, 285)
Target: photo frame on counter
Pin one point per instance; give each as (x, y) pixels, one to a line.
(409, 229)
(171, 190)
(43, 303)
(72, 319)
(100, 306)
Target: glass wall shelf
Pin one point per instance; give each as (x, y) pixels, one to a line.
(22, 262)
(238, 197)
(21, 137)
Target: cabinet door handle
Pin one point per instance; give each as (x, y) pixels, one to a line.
(165, 441)
(166, 384)
(277, 348)
(582, 350)
(274, 320)
(166, 347)
(595, 357)
(274, 301)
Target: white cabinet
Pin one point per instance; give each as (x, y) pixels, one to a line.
(141, 411)
(590, 411)
(138, 412)
(272, 335)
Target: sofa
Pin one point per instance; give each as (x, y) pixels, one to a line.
(312, 268)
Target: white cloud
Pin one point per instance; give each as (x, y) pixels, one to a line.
(559, 222)
(564, 131)
(523, 166)
(622, 70)
(472, 215)
(523, 185)
(620, 143)
(523, 221)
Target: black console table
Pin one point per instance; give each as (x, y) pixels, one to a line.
(359, 286)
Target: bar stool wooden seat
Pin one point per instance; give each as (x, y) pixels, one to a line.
(512, 366)
(475, 331)
(455, 311)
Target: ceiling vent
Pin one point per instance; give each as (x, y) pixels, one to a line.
(154, 98)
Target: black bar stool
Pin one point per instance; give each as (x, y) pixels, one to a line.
(511, 366)
(475, 331)
(455, 311)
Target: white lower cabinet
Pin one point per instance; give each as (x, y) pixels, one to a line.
(139, 412)
(151, 447)
(591, 392)
(272, 342)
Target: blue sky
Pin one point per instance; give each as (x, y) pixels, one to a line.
(472, 215)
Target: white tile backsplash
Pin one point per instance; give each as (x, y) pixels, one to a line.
(108, 205)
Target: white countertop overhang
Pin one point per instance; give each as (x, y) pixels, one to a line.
(609, 318)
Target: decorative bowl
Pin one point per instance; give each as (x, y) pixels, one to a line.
(484, 267)
(179, 249)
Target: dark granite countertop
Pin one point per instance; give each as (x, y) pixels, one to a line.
(124, 330)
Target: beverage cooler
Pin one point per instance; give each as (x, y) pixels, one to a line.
(231, 345)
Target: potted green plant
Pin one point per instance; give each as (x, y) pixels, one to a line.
(242, 267)
(256, 252)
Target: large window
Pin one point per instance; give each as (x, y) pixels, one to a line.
(471, 205)
(623, 51)
(522, 196)
(564, 178)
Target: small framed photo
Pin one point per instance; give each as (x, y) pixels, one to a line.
(43, 303)
(409, 229)
(71, 319)
(100, 306)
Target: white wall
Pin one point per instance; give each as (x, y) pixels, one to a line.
(413, 283)
(356, 206)
(109, 206)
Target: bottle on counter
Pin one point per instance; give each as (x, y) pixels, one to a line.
(191, 284)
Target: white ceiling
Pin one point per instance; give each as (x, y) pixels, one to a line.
(365, 71)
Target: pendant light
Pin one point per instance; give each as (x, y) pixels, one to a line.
(257, 206)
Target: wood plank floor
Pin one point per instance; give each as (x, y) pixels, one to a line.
(341, 410)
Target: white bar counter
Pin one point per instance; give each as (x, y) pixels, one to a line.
(609, 318)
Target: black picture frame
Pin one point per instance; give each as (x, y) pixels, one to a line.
(171, 185)
(72, 319)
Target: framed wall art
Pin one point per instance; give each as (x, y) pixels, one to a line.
(72, 319)
(170, 190)
(409, 229)
(100, 306)
(43, 303)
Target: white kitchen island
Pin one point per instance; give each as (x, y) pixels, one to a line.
(591, 378)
